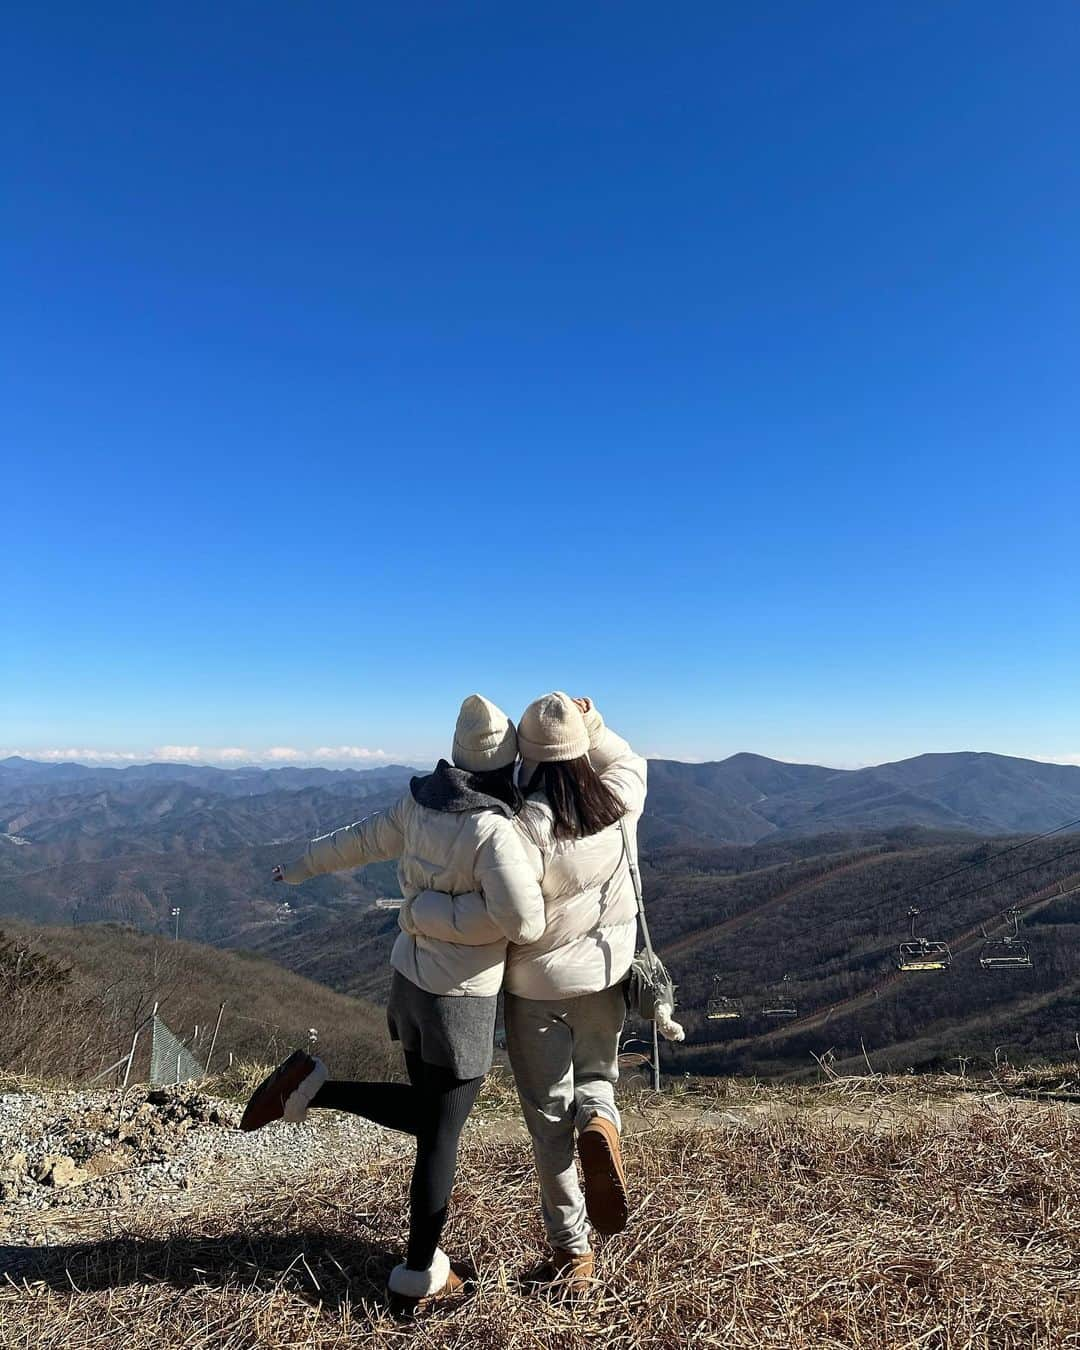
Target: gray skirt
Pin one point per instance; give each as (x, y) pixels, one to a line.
(454, 1032)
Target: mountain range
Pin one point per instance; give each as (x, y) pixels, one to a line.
(83, 844)
(742, 799)
(747, 798)
(754, 870)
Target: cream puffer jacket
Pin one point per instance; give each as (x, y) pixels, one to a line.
(450, 839)
(589, 939)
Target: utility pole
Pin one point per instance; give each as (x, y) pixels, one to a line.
(175, 912)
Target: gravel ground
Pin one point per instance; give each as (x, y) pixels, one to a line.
(73, 1161)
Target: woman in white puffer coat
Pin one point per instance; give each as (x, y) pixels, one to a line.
(565, 1001)
(452, 832)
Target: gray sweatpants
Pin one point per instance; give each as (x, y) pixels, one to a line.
(565, 1057)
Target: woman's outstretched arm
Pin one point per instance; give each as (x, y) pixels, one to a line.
(376, 838)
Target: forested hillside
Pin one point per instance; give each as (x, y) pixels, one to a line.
(828, 914)
(73, 998)
(820, 934)
(81, 844)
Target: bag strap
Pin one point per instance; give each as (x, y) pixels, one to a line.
(635, 877)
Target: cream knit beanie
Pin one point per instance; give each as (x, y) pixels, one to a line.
(552, 728)
(484, 737)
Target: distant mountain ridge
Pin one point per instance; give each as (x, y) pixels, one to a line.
(234, 781)
(747, 797)
(742, 799)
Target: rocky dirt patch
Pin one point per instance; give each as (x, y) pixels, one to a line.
(73, 1160)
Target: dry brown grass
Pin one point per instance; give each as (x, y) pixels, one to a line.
(950, 1232)
(72, 998)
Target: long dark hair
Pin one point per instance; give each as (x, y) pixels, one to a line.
(501, 783)
(580, 801)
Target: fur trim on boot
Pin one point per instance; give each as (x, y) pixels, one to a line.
(298, 1101)
(421, 1283)
(285, 1094)
(412, 1291)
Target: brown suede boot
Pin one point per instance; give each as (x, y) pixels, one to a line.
(602, 1176)
(566, 1274)
(286, 1094)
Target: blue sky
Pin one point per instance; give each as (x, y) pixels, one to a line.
(717, 361)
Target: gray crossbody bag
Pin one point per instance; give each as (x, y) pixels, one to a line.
(650, 993)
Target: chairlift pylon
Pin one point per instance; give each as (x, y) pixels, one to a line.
(1006, 953)
(921, 953)
(720, 1008)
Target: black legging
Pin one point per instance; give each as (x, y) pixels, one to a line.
(433, 1106)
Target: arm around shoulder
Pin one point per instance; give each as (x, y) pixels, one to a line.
(507, 877)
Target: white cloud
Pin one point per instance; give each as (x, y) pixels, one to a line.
(228, 756)
(347, 752)
(77, 756)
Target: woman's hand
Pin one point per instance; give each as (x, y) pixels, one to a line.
(585, 704)
(278, 874)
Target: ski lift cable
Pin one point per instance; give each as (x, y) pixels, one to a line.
(956, 871)
(968, 867)
(982, 862)
(952, 899)
(929, 909)
(874, 991)
(1032, 867)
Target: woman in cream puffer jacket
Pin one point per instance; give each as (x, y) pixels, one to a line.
(453, 831)
(565, 1002)
(591, 911)
(449, 840)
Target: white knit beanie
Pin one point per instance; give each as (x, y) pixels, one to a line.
(484, 737)
(552, 728)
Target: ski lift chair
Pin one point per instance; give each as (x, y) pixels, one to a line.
(920, 953)
(782, 1005)
(719, 1008)
(1008, 952)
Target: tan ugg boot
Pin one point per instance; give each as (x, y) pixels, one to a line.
(602, 1176)
(565, 1273)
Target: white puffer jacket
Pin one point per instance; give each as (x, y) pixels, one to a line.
(590, 936)
(449, 839)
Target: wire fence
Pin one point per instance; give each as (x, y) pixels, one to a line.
(171, 1061)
